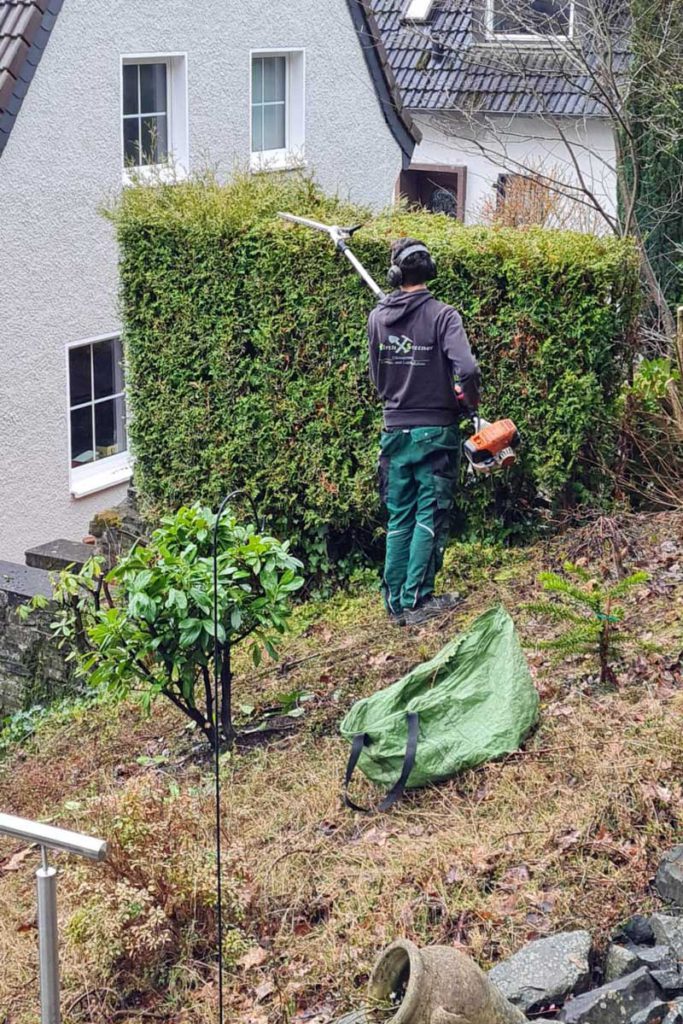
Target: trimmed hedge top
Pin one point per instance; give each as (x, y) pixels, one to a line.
(246, 350)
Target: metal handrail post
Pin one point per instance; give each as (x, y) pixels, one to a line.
(48, 942)
(50, 838)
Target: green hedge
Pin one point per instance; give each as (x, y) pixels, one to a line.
(247, 365)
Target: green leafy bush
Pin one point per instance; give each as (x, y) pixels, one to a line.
(590, 612)
(247, 364)
(146, 628)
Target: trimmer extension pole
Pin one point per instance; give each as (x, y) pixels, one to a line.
(340, 237)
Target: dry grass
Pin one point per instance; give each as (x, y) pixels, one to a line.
(565, 834)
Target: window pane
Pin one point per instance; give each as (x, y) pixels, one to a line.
(534, 17)
(256, 129)
(154, 141)
(79, 375)
(274, 126)
(274, 73)
(130, 88)
(257, 80)
(131, 142)
(81, 436)
(110, 428)
(152, 88)
(107, 371)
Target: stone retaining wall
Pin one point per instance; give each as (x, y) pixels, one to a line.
(32, 669)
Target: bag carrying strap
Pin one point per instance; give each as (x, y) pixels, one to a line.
(361, 740)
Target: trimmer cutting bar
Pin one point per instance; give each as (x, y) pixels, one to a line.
(340, 237)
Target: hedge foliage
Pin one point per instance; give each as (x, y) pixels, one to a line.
(247, 363)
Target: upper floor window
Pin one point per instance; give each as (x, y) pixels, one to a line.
(145, 114)
(529, 19)
(97, 415)
(154, 113)
(277, 109)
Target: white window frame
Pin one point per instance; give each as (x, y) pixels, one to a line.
(525, 37)
(103, 473)
(177, 119)
(293, 154)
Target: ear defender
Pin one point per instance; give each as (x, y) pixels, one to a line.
(395, 273)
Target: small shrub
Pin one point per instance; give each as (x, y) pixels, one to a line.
(590, 612)
(151, 905)
(146, 628)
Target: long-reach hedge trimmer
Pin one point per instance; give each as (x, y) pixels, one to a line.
(493, 445)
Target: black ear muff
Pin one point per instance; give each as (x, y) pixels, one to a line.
(395, 276)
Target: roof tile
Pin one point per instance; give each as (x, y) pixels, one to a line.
(25, 26)
(467, 73)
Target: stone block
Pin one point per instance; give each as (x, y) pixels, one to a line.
(619, 962)
(58, 555)
(545, 971)
(669, 878)
(615, 1003)
(668, 931)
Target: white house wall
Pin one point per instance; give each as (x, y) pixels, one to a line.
(521, 141)
(63, 160)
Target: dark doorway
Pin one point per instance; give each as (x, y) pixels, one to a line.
(437, 188)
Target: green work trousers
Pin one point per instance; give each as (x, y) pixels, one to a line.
(418, 471)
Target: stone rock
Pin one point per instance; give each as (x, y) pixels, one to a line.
(545, 971)
(670, 981)
(620, 960)
(615, 1003)
(656, 1011)
(355, 1017)
(637, 930)
(654, 957)
(675, 1014)
(669, 878)
(668, 931)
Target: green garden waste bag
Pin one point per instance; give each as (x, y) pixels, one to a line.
(473, 702)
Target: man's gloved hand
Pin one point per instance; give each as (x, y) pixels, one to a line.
(463, 405)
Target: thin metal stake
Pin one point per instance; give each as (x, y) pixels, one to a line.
(46, 882)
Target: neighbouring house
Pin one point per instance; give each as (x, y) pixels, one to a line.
(89, 91)
(500, 89)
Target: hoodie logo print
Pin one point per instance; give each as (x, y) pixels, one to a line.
(402, 346)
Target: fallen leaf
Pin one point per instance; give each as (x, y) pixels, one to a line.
(253, 958)
(17, 859)
(567, 839)
(379, 659)
(265, 989)
(515, 877)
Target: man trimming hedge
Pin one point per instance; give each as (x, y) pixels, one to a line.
(426, 375)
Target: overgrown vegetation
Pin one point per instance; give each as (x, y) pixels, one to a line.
(247, 365)
(146, 628)
(563, 834)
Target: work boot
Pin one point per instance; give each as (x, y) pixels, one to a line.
(430, 608)
(396, 618)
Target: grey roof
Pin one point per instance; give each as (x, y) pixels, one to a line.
(444, 64)
(25, 27)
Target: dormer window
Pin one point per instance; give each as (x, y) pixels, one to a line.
(528, 20)
(418, 10)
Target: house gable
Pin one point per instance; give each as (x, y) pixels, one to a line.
(25, 27)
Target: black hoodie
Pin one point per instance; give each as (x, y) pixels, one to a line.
(418, 350)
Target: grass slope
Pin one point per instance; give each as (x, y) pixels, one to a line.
(564, 834)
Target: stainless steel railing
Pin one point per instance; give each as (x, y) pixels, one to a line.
(50, 838)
